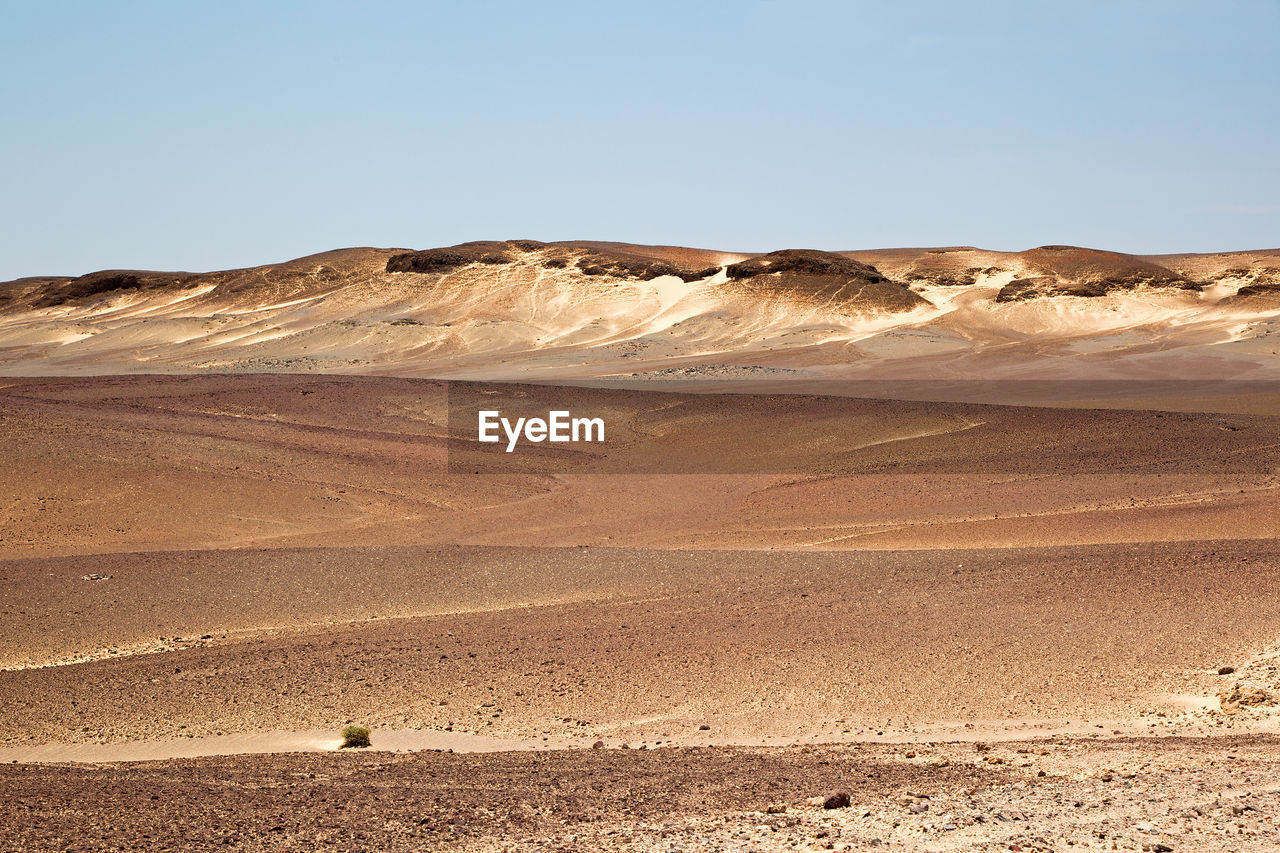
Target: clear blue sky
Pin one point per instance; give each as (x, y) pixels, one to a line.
(178, 135)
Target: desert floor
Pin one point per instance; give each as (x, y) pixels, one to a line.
(997, 627)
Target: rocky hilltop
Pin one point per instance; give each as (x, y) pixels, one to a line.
(1049, 271)
(884, 279)
(824, 277)
(618, 264)
(1072, 271)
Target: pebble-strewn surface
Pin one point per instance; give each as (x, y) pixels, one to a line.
(1152, 794)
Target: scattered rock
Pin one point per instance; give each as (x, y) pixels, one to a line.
(598, 745)
(1242, 694)
(95, 577)
(1226, 670)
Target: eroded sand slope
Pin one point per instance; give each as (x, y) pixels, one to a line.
(533, 311)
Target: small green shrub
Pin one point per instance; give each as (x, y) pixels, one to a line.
(355, 736)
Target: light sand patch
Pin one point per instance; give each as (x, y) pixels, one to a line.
(258, 743)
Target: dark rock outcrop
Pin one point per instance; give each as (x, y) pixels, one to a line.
(1046, 285)
(804, 262)
(107, 281)
(962, 278)
(1075, 271)
(289, 279)
(589, 262)
(1256, 289)
(452, 257)
(1266, 282)
(824, 277)
(640, 269)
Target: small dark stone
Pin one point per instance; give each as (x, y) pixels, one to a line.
(836, 800)
(1226, 670)
(704, 728)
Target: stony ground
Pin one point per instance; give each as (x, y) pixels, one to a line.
(1149, 794)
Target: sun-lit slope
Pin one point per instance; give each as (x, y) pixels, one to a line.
(467, 307)
(1261, 266)
(528, 310)
(1071, 312)
(1072, 270)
